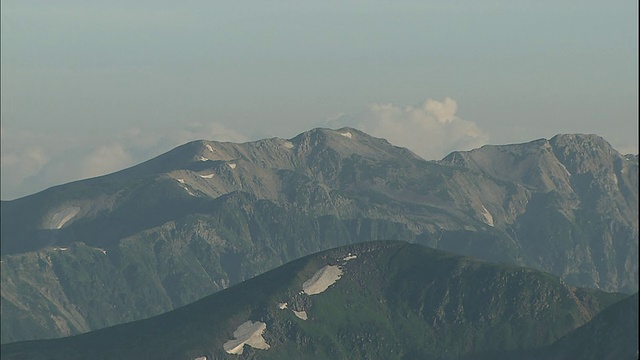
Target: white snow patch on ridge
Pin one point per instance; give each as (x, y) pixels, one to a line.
(349, 257)
(209, 148)
(347, 134)
(565, 169)
(62, 217)
(288, 144)
(181, 181)
(301, 314)
(488, 218)
(233, 166)
(249, 333)
(282, 306)
(202, 158)
(322, 279)
(207, 176)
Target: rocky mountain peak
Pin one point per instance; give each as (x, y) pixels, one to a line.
(346, 142)
(531, 164)
(584, 153)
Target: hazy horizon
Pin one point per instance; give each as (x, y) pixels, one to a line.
(89, 88)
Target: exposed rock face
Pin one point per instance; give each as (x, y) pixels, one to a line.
(577, 215)
(176, 228)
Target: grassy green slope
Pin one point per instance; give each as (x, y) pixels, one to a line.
(65, 290)
(394, 300)
(612, 334)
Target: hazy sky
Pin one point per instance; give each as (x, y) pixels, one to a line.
(92, 87)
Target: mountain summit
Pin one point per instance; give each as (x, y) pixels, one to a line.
(206, 215)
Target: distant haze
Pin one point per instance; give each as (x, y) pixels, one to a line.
(91, 87)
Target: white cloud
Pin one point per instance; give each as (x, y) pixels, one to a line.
(21, 162)
(444, 111)
(338, 121)
(32, 161)
(210, 131)
(431, 130)
(105, 159)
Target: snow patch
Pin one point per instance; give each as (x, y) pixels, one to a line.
(102, 251)
(233, 166)
(347, 134)
(301, 314)
(565, 169)
(349, 257)
(62, 217)
(282, 306)
(249, 333)
(202, 158)
(322, 279)
(288, 144)
(209, 147)
(488, 218)
(207, 176)
(60, 248)
(201, 358)
(181, 181)
(188, 191)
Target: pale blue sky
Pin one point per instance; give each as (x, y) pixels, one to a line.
(91, 87)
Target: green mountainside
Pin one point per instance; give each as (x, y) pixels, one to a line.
(207, 215)
(390, 300)
(610, 335)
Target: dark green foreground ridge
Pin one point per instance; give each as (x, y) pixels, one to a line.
(381, 300)
(612, 334)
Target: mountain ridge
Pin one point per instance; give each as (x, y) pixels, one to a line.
(385, 291)
(251, 207)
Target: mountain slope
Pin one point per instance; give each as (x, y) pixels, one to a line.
(206, 215)
(612, 334)
(580, 220)
(379, 299)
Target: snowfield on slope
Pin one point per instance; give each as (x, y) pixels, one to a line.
(488, 218)
(322, 279)
(287, 144)
(249, 333)
(301, 314)
(347, 135)
(62, 217)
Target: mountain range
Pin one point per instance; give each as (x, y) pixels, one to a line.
(374, 300)
(207, 215)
